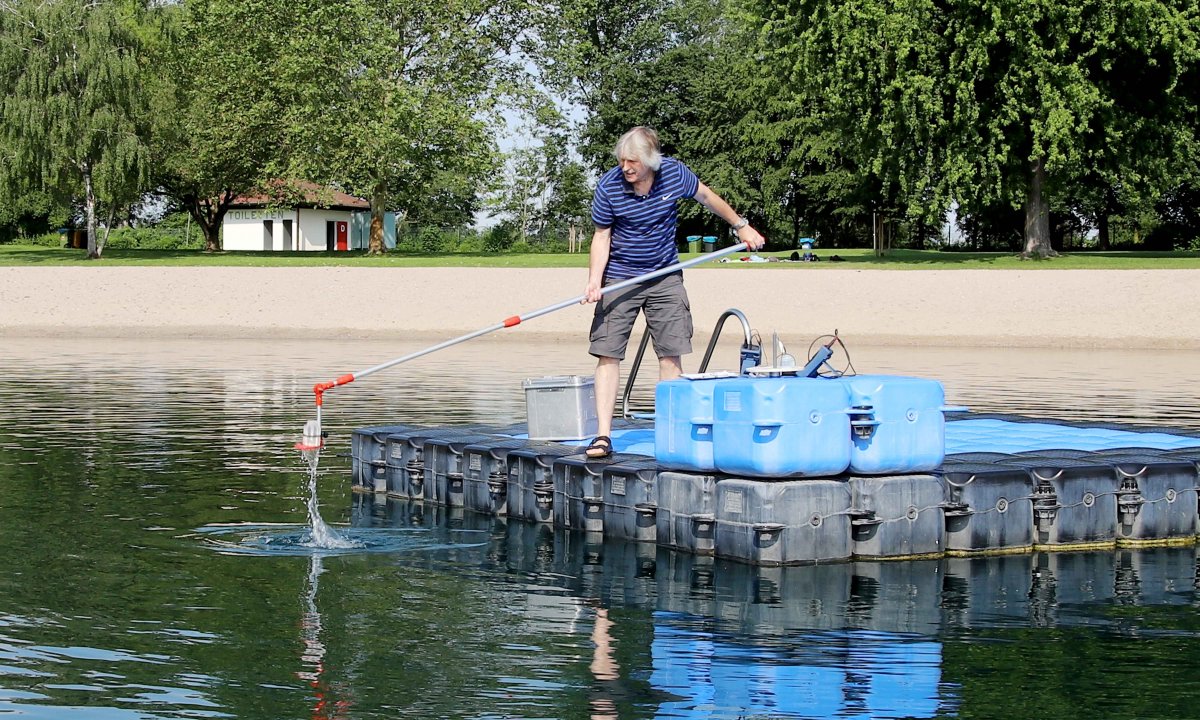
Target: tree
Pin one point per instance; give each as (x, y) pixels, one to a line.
(409, 93)
(219, 109)
(542, 184)
(855, 86)
(990, 101)
(568, 209)
(73, 118)
(1051, 96)
(676, 66)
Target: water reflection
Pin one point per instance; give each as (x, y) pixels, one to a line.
(856, 639)
(112, 605)
(329, 701)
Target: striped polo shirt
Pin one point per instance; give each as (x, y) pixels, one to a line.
(643, 227)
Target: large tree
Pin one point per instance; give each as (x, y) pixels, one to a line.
(989, 101)
(220, 104)
(679, 67)
(73, 118)
(408, 96)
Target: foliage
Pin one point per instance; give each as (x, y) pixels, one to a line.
(73, 121)
(219, 104)
(30, 214)
(545, 193)
(154, 239)
(405, 96)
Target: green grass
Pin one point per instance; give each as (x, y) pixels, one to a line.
(37, 256)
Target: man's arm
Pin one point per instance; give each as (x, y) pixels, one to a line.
(597, 261)
(717, 205)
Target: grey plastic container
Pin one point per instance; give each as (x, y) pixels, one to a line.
(403, 459)
(560, 407)
(988, 509)
(976, 457)
(1074, 503)
(686, 514)
(531, 482)
(783, 522)
(631, 500)
(443, 457)
(578, 495)
(407, 473)
(485, 475)
(896, 516)
(1156, 499)
(368, 454)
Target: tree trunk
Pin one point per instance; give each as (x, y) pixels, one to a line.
(375, 243)
(89, 189)
(1037, 215)
(209, 213)
(1104, 234)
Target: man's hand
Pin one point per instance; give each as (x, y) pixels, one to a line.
(591, 293)
(750, 236)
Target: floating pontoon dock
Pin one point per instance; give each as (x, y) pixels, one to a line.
(1006, 484)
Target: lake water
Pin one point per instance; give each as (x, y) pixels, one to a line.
(152, 512)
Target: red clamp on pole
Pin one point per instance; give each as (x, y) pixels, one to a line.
(320, 388)
(514, 320)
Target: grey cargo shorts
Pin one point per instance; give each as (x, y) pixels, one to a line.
(668, 315)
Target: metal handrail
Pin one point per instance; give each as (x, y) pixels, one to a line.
(633, 371)
(712, 344)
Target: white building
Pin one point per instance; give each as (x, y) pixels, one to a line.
(323, 220)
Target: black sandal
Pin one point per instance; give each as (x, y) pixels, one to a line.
(600, 448)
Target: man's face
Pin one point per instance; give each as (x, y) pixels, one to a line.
(634, 170)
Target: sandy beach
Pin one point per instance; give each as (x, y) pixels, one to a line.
(982, 308)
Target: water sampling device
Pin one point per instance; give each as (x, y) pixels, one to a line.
(313, 438)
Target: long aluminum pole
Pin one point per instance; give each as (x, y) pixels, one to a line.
(320, 388)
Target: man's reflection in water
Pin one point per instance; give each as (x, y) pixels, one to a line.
(605, 670)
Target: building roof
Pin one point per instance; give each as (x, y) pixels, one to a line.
(300, 193)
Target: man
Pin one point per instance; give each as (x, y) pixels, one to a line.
(635, 211)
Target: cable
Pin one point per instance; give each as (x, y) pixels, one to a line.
(834, 339)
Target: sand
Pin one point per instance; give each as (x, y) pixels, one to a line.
(1030, 308)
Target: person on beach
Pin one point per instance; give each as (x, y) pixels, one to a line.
(635, 212)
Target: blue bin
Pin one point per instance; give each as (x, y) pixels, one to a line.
(897, 424)
(710, 243)
(683, 423)
(782, 426)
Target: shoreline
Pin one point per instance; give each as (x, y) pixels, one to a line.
(1139, 309)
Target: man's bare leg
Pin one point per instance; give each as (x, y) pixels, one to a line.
(669, 368)
(608, 376)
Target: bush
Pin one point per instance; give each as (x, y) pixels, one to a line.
(499, 238)
(50, 239)
(153, 238)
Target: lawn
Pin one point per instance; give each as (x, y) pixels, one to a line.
(36, 256)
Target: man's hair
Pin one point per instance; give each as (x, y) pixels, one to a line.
(642, 143)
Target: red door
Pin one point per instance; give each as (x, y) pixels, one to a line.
(343, 229)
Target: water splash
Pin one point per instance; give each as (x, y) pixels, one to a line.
(321, 536)
(293, 539)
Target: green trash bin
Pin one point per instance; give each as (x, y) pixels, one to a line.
(710, 243)
(693, 243)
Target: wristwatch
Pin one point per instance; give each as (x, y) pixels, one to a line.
(739, 224)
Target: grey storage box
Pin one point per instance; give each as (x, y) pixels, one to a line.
(560, 407)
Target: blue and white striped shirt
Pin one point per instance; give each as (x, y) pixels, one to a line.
(643, 227)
